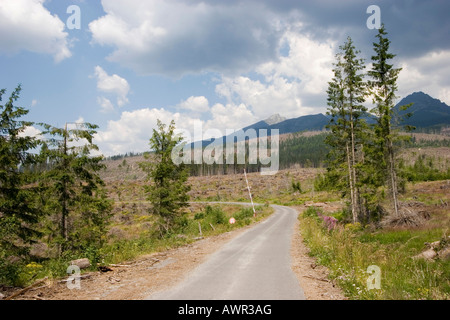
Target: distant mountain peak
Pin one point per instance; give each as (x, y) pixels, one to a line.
(274, 119)
(426, 111)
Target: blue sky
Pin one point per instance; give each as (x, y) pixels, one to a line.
(225, 64)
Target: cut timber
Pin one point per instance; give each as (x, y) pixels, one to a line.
(84, 276)
(81, 263)
(323, 279)
(429, 254)
(20, 292)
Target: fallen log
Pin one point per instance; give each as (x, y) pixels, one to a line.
(20, 292)
(81, 277)
(120, 265)
(314, 278)
(81, 263)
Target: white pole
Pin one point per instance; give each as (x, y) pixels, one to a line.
(250, 194)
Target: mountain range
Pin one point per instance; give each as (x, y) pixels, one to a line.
(427, 112)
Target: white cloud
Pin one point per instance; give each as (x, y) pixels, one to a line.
(114, 85)
(230, 117)
(31, 132)
(196, 104)
(105, 104)
(133, 130)
(308, 61)
(281, 88)
(79, 120)
(28, 25)
(178, 37)
(428, 74)
(293, 86)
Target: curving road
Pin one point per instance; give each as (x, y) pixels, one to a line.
(256, 265)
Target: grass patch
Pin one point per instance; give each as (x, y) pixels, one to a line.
(349, 251)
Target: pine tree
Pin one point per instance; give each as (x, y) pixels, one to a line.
(337, 159)
(72, 188)
(18, 210)
(346, 94)
(168, 193)
(382, 87)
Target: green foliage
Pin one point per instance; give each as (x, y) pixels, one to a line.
(308, 151)
(328, 182)
(423, 169)
(199, 216)
(19, 213)
(243, 214)
(168, 193)
(348, 128)
(71, 189)
(412, 142)
(361, 162)
(215, 215)
(296, 186)
(9, 271)
(348, 252)
(381, 166)
(312, 212)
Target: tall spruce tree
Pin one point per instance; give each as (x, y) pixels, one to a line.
(338, 175)
(346, 94)
(18, 211)
(168, 192)
(72, 188)
(382, 87)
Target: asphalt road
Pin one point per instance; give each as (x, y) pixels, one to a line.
(256, 265)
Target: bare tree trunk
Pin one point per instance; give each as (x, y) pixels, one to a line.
(393, 177)
(350, 179)
(353, 170)
(64, 210)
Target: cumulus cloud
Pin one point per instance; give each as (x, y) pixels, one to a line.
(294, 85)
(195, 104)
(178, 37)
(114, 85)
(415, 26)
(264, 99)
(28, 25)
(230, 116)
(428, 73)
(190, 36)
(309, 61)
(31, 131)
(105, 104)
(133, 130)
